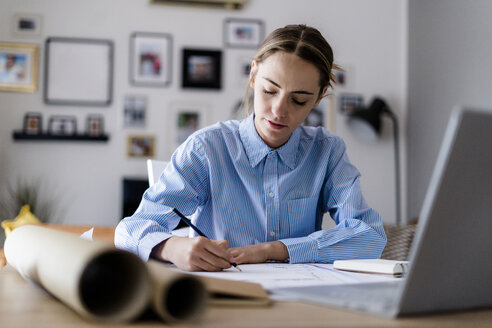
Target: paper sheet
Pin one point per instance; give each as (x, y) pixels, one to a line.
(278, 275)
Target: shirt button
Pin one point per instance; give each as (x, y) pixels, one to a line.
(271, 194)
(272, 233)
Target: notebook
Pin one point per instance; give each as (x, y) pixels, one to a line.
(391, 267)
(450, 258)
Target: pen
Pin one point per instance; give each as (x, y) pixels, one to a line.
(192, 226)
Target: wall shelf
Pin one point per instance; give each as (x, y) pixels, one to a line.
(21, 136)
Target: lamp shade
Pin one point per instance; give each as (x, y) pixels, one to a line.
(366, 123)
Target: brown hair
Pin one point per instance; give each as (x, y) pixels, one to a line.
(305, 42)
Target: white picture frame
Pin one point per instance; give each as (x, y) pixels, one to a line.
(188, 117)
(243, 33)
(150, 59)
(78, 72)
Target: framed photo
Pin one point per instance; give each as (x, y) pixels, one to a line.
(150, 59)
(322, 115)
(243, 69)
(33, 124)
(188, 118)
(78, 72)
(29, 25)
(140, 146)
(95, 125)
(349, 102)
(62, 125)
(135, 111)
(344, 78)
(202, 68)
(243, 33)
(18, 67)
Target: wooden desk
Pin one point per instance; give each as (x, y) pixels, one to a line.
(23, 304)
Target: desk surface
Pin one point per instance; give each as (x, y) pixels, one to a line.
(23, 304)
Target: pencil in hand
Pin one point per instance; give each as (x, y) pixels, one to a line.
(192, 226)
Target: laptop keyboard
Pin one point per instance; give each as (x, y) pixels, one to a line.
(372, 297)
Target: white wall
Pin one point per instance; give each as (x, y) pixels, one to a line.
(449, 57)
(85, 178)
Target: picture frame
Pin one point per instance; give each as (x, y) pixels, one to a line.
(18, 67)
(62, 125)
(202, 69)
(33, 124)
(243, 69)
(95, 125)
(349, 102)
(27, 25)
(322, 115)
(150, 59)
(135, 111)
(189, 117)
(243, 33)
(78, 72)
(140, 146)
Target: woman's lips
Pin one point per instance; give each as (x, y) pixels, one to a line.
(276, 126)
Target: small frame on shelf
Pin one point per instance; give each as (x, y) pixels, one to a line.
(150, 59)
(18, 67)
(78, 71)
(140, 146)
(95, 125)
(33, 124)
(243, 33)
(62, 125)
(202, 69)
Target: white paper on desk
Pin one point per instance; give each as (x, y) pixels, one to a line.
(278, 275)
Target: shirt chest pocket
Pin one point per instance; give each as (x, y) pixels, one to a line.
(301, 215)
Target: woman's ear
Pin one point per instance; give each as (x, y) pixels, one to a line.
(252, 73)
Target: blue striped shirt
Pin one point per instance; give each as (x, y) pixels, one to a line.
(239, 189)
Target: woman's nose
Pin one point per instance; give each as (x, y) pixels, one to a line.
(279, 107)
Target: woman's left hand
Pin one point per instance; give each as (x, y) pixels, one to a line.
(260, 253)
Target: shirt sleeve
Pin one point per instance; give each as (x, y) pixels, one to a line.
(358, 233)
(182, 186)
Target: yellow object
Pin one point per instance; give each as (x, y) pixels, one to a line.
(24, 217)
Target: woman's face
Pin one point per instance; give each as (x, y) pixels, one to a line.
(285, 90)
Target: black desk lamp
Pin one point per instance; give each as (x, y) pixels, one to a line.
(367, 124)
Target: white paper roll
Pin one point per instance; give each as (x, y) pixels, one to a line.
(94, 278)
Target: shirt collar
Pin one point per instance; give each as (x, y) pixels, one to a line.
(257, 149)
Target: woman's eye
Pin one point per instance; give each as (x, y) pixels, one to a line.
(297, 102)
(268, 92)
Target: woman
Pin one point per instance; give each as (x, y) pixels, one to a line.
(258, 188)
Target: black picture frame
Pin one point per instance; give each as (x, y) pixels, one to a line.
(202, 69)
(94, 125)
(78, 71)
(33, 124)
(62, 125)
(150, 59)
(243, 33)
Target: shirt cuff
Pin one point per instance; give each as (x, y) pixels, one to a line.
(149, 241)
(301, 250)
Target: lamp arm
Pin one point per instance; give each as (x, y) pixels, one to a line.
(396, 136)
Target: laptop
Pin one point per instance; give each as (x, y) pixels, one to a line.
(451, 255)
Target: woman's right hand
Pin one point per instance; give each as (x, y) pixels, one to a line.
(194, 254)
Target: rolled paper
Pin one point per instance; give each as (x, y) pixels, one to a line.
(94, 278)
(177, 297)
